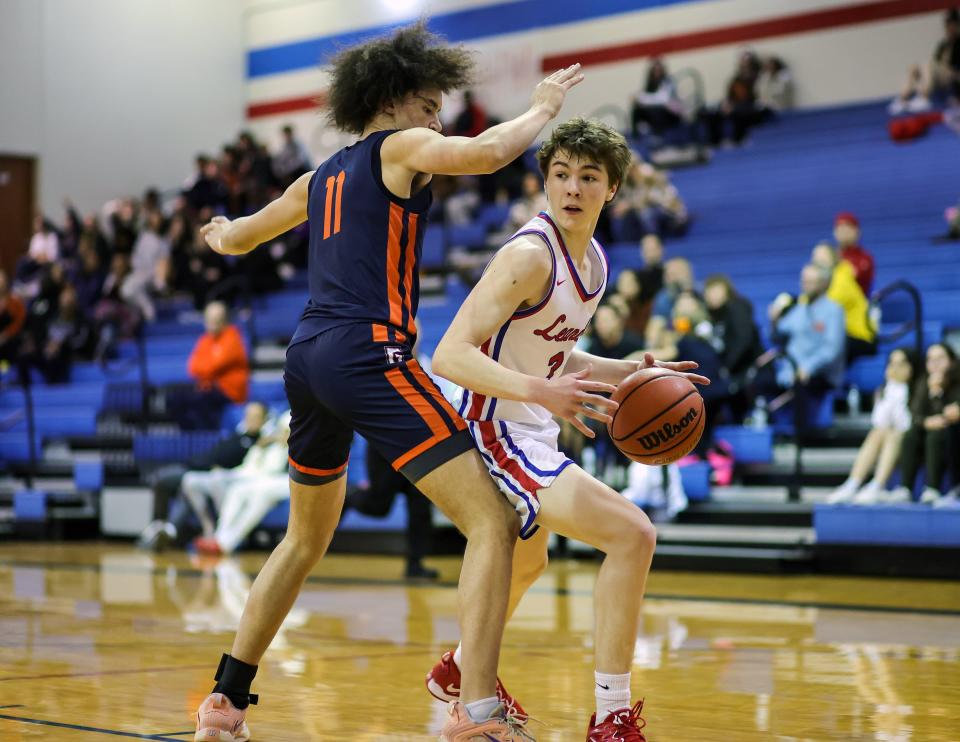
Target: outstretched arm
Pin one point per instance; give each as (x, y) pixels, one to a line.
(613, 371)
(422, 150)
(519, 274)
(240, 236)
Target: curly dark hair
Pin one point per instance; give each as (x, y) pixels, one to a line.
(595, 140)
(367, 77)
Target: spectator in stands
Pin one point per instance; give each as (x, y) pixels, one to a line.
(207, 190)
(13, 313)
(735, 336)
(813, 333)
(648, 203)
(738, 110)
(292, 159)
(255, 480)
(122, 222)
(651, 274)
(149, 264)
(204, 269)
(114, 317)
(636, 289)
(375, 499)
(68, 333)
(940, 78)
(43, 252)
(691, 340)
(462, 204)
(88, 276)
(472, 120)
(845, 291)
(656, 107)
(880, 451)
(532, 201)
(846, 232)
(677, 278)
(774, 89)
(171, 513)
(629, 303)
(935, 408)
(218, 365)
(610, 338)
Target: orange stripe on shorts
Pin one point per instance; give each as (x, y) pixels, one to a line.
(430, 386)
(408, 270)
(419, 403)
(379, 334)
(317, 472)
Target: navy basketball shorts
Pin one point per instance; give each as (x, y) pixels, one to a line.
(352, 379)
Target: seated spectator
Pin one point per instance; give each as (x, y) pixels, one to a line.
(170, 512)
(880, 451)
(774, 88)
(43, 252)
(845, 291)
(292, 159)
(461, 205)
(149, 266)
(738, 110)
(648, 203)
(735, 336)
(219, 368)
(691, 341)
(610, 338)
(114, 317)
(13, 313)
(934, 429)
(629, 303)
(656, 107)
(940, 78)
(227, 500)
(375, 500)
(88, 275)
(677, 278)
(846, 231)
(68, 334)
(812, 332)
(531, 202)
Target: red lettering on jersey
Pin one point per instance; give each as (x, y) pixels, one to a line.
(564, 335)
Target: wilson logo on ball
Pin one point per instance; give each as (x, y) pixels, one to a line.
(657, 438)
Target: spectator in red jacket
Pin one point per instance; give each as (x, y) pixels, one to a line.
(219, 367)
(846, 231)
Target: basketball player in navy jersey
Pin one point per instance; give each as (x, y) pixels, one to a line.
(512, 347)
(349, 366)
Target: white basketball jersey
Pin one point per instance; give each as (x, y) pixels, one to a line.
(538, 340)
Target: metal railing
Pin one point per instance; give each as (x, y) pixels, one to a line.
(907, 326)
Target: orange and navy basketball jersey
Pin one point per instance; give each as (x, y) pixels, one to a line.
(365, 246)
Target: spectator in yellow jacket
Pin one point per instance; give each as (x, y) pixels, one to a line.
(845, 291)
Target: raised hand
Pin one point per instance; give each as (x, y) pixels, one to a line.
(571, 395)
(552, 91)
(681, 367)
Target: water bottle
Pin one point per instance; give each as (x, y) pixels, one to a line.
(759, 418)
(853, 400)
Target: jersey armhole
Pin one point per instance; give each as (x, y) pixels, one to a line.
(533, 309)
(418, 203)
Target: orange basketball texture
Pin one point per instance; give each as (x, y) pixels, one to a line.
(660, 418)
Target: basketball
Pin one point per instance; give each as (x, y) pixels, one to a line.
(660, 418)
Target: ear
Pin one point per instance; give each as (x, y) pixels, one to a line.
(612, 192)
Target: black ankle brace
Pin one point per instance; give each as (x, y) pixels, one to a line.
(234, 679)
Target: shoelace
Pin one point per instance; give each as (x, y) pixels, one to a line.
(633, 723)
(517, 726)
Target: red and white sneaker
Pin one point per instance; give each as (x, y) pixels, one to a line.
(218, 720)
(443, 682)
(622, 725)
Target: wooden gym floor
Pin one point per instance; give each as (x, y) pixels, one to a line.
(99, 642)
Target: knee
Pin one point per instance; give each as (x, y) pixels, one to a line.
(499, 523)
(304, 552)
(528, 573)
(639, 537)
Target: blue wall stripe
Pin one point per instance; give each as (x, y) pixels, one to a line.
(462, 25)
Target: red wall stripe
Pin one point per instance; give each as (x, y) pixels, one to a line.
(272, 108)
(782, 26)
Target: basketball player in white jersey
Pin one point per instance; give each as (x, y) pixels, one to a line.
(512, 345)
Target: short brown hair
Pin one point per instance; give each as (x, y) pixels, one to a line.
(367, 77)
(589, 139)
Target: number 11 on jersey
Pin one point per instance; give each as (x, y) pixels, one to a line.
(334, 187)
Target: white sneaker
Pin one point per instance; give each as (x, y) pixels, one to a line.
(900, 494)
(949, 500)
(869, 494)
(930, 496)
(918, 104)
(844, 493)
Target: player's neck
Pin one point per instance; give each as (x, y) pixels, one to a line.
(381, 122)
(577, 242)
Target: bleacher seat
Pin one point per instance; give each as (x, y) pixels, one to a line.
(750, 445)
(155, 448)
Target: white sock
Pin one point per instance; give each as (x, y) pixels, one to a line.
(457, 656)
(613, 693)
(479, 711)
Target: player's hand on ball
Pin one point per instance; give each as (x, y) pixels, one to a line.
(213, 232)
(552, 91)
(681, 367)
(575, 394)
